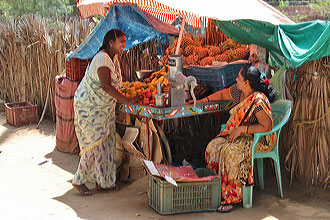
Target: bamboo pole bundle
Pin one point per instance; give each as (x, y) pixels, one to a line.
(307, 134)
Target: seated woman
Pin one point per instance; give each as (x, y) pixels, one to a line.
(229, 154)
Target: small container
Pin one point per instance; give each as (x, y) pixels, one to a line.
(21, 113)
(143, 74)
(159, 100)
(75, 68)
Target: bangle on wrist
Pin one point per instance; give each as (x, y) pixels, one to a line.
(208, 100)
(247, 129)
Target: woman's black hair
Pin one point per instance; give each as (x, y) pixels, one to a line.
(252, 73)
(113, 34)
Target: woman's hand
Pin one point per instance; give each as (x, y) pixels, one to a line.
(202, 101)
(235, 133)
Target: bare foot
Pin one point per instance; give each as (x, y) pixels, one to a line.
(99, 188)
(82, 189)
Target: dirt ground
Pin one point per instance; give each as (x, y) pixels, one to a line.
(35, 184)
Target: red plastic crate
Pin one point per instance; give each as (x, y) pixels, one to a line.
(21, 113)
(75, 68)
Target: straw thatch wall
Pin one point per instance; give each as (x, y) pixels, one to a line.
(143, 56)
(32, 53)
(307, 135)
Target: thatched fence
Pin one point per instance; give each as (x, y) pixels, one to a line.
(143, 56)
(306, 137)
(32, 53)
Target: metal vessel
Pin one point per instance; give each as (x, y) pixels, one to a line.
(178, 82)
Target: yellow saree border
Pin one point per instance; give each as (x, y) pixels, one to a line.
(91, 146)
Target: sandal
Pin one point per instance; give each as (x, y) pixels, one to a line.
(227, 207)
(99, 188)
(82, 189)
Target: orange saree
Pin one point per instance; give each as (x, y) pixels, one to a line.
(233, 160)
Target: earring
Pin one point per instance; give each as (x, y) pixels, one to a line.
(110, 45)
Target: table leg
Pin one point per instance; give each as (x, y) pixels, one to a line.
(148, 144)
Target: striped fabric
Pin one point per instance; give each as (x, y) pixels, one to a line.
(160, 11)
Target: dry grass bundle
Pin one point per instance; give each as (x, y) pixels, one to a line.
(143, 56)
(32, 53)
(307, 134)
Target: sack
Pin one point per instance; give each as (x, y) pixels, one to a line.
(66, 139)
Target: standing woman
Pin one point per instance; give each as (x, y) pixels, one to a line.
(94, 116)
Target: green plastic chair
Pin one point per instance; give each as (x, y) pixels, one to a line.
(281, 112)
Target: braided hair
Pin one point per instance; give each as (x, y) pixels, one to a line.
(252, 74)
(113, 34)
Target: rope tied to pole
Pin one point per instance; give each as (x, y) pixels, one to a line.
(305, 123)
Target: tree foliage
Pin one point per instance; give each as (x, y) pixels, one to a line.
(322, 7)
(44, 8)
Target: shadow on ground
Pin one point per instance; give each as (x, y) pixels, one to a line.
(129, 202)
(67, 162)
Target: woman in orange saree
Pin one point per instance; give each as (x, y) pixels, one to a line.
(229, 153)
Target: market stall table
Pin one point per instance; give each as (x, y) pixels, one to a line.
(173, 112)
(161, 114)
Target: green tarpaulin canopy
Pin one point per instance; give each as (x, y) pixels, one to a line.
(298, 43)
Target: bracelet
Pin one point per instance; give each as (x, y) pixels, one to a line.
(247, 129)
(208, 100)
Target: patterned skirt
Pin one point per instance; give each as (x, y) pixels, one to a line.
(99, 164)
(233, 162)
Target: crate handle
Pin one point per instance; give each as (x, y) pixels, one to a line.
(25, 109)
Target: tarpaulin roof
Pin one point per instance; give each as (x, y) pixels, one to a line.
(256, 22)
(298, 43)
(245, 21)
(160, 11)
(226, 10)
(138, 26)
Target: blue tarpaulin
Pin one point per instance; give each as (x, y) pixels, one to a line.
(139, 28)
